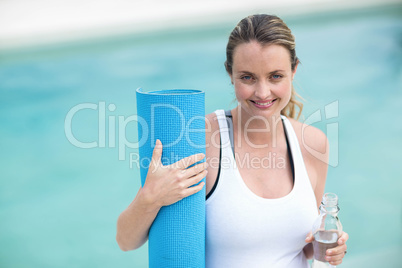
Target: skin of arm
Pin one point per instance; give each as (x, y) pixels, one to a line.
(134, 222)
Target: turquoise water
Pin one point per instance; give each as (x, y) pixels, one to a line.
(59, 203)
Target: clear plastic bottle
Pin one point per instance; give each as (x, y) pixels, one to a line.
(326, 230)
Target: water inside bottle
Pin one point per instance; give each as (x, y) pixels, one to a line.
(324, 240)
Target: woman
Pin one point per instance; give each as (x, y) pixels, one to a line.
(263, 195)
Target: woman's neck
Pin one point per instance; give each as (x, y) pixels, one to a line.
(256, 131)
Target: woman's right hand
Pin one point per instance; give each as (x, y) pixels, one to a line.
(168, 184)
(164, 185)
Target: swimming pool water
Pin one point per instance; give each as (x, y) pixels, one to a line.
(59, 203)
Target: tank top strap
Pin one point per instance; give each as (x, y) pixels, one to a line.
(295, 148)
(224, 129)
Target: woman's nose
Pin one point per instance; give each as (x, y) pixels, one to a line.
(263, 90)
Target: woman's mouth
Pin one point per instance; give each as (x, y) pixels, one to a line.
(264, 104)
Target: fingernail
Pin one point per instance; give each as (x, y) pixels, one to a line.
(329, 251)
(327, 258)
(340, 241)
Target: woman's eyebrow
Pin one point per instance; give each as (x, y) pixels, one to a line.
(245, 72)
(276, 71)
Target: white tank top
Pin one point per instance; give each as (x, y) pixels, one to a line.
(248, 231)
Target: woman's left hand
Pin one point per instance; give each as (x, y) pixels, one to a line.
(334, 255)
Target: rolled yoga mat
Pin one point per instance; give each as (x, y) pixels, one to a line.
(176, 118)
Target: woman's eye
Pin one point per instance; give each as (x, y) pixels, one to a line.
(276, 76)
(246, 77)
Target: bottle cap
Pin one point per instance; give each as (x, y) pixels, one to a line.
(330, 199)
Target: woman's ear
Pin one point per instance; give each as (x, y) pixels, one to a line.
(228, 70)
(231, 78)
(295, 69)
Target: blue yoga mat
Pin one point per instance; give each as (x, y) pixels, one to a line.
(176, 117)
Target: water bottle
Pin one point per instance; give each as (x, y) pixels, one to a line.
(326, 230)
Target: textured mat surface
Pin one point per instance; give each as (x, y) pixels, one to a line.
(176, 117)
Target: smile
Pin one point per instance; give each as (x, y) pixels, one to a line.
(263, 104)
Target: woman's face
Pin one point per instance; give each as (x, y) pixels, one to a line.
(262, 77)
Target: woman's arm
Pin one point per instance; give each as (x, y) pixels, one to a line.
(316, 155)
(313, 140)
(163, 186)
(134, 222)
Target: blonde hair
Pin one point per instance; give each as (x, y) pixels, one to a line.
(266, 30)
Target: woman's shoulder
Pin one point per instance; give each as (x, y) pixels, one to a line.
(212, 134)
(211, 124)
(211, 117)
